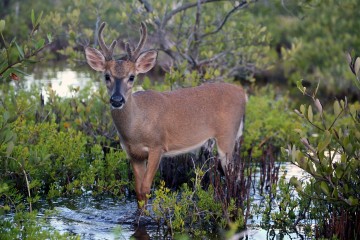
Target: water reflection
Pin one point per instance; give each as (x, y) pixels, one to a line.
(141, 233)
(60, 79)
(92, 218)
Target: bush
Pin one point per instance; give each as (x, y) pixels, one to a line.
(330, 154)
(269, 121)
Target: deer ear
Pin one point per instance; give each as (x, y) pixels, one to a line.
(146, 61)
(95, 59)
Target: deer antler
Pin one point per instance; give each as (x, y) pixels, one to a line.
(108, 52)
(133, 54)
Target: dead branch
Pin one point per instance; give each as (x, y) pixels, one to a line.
(239, 6)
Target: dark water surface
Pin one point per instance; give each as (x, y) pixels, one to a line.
(91, 218)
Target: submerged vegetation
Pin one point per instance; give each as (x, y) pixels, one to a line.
(53, 147)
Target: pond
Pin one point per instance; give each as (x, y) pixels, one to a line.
(109, 218)
(60, 77)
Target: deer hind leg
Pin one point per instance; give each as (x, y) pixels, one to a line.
(225, 147)
(226, 143)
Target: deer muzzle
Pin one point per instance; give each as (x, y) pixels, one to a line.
(117, 101)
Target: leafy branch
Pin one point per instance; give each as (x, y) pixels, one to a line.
(13, 54)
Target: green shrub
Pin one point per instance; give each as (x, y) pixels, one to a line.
(194, 210)
(15, 55)
(25, 225)
(269, 120)
(330, 154)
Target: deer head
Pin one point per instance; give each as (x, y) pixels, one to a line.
(119, 75)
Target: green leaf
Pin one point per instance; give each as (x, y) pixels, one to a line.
(349, 148)
(310, 113)
(3, 64)
(40, 43)
(20, 71)
(343, 103)
(2, 25)
(6, 116)
(39, 19)
(353, 201)
(325, 188)
(296, 183)
(300, 87)
(340, 133)
(357, 66)
(337, 108)
(10, 148)
(335, 193)
(357, 134)
(302, 109)
(21, 52)
(353, 110)
(339, 172)
(324, 143)
(310, 167)
(49, 37)
(33, 18)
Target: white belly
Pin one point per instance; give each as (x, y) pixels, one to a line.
(188, 149)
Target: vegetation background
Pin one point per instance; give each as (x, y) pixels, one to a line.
(285, 53)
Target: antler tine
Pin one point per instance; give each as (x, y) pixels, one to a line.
(108, 52)
(143, 33)
(128, 50)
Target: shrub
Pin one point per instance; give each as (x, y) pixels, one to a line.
(269, 121)
(330, 154)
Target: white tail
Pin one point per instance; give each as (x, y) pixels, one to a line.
(153, 124)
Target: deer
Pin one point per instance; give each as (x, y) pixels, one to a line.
(152, 125)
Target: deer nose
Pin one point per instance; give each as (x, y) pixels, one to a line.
(117, 101)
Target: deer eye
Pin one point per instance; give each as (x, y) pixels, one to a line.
(107, 78)
(131, 78)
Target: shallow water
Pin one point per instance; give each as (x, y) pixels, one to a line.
(59, 77)
(111, 218)
(94, 218)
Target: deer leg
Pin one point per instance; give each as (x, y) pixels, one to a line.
(225, 147)
(139, 168)
(152, 166)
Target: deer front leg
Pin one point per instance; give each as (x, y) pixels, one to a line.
(152, 167)
(139, 168)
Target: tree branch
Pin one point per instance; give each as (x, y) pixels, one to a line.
(183, 7)
(239, 6)
(214, 58)
(197, 38)
(150, 9)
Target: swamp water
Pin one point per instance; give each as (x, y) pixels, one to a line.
(114, 218)
(111, 218)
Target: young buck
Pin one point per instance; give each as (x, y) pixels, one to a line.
(153, 124)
